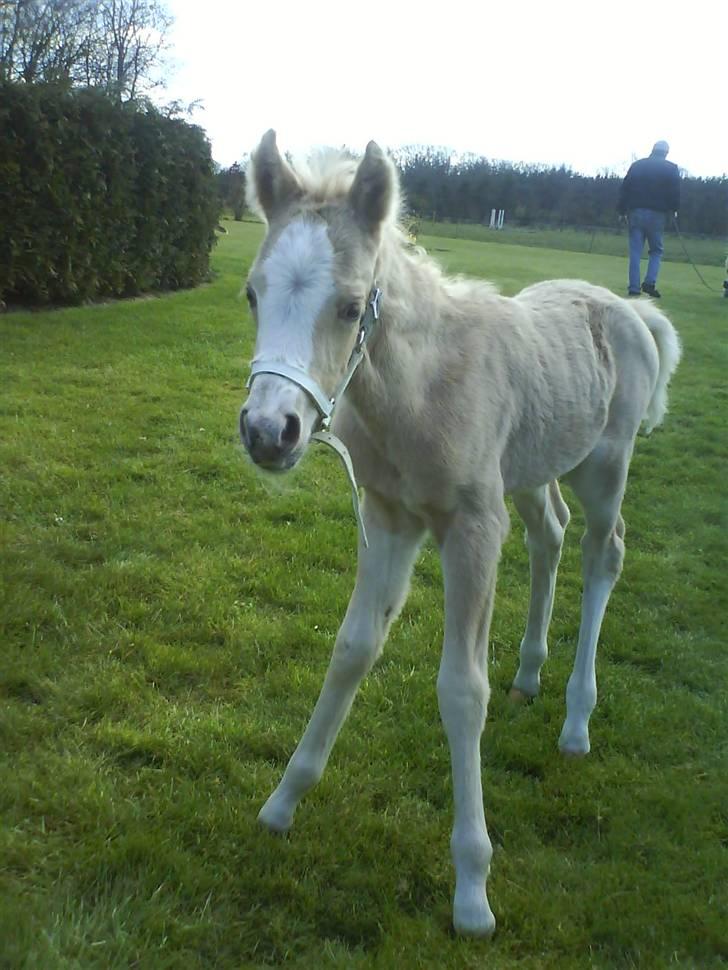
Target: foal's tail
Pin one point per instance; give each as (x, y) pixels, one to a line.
(669, 352)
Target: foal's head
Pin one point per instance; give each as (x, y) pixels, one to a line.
(308, 289)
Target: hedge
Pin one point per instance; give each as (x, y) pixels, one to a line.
(98, 198)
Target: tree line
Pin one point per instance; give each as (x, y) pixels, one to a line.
(441, 187)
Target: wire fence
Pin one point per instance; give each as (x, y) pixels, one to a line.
(602, 240)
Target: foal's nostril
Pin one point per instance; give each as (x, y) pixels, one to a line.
(269, 439)
(291, 430)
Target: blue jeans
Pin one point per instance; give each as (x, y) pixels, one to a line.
(650, 225)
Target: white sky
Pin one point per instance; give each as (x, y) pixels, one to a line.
(591, 85)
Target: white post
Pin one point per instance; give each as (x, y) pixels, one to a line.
(492, 218)
(501, 218)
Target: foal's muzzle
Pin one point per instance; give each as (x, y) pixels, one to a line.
(271, 441)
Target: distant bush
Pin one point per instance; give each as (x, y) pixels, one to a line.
(231, 188)
(99, 198)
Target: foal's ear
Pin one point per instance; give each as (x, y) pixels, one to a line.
(271, 182)
(373, 196)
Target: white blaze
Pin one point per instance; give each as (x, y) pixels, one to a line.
(299, 280)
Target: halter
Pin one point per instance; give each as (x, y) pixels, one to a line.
(326, 405)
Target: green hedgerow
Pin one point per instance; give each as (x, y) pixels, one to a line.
(98, 198)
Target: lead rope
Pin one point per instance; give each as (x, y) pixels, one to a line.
(689, 258)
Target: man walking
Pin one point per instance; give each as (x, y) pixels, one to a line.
(649, 193)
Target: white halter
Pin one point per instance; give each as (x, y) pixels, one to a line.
(324, 404)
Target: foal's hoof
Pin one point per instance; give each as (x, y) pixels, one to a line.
(574, 745)
(472, 916)
(518, 696)
(275, 817)
(573, 755)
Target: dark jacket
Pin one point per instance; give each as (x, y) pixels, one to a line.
(650, 183)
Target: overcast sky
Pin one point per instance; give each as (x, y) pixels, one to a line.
(590, 85)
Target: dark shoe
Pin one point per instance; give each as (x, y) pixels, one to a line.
(631, 294)
(651, 290)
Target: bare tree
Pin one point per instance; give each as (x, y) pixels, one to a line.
(132, 45)
(115, 44)
(44, 39)
(11, 16)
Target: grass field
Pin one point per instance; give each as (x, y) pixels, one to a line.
(167, 618)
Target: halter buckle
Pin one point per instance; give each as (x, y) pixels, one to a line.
(374, 301)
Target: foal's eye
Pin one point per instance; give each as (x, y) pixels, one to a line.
(351, 312)
(252, 298)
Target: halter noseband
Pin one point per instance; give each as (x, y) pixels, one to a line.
(325, 405)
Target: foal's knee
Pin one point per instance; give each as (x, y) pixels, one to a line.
(615, 555)
(354, 656)
(546, 516)
(604, 553)
(462, 698)
(548, 540)
(554, 537)
(561, 509)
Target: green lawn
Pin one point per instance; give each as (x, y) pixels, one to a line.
(167, 618)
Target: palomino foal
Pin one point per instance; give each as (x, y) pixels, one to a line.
(462, 396)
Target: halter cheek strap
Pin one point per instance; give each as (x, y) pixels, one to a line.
(326, 405)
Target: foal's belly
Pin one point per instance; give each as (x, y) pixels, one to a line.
(525, 468)
(538, 450)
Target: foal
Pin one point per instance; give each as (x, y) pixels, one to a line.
(462, 396)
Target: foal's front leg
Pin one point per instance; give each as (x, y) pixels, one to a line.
(470, 551)
(383, 575)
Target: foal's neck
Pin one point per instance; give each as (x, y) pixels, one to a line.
(413, 297)
(412, 285)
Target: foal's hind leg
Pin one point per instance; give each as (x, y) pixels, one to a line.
(383, 575)
(599, 485)
(470, 547)
(546, 516)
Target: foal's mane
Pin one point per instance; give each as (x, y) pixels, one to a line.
(326, 176)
